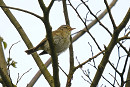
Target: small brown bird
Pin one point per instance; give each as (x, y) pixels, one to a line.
(61, 38)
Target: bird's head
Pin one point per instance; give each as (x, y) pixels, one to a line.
(66, 28)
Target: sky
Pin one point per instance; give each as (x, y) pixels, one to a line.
(35, 30)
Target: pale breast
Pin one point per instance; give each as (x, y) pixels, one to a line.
(61, 43)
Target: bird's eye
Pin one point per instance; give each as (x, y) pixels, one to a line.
(65, 26)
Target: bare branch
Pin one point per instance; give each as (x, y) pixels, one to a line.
(124, 48)
(126, 61)
(65, 12)
(23, 35)
(96, 69)
(81, 4)
(70, 75)
(3, 63)
(110, 15)
(84, 22)
(50, 5)
(19, 78)
(5, 78)
(92, 53)
(124, 22)
(96, 18)
(77, 13)
(125, 37)
(86, 80)
(42, 5)
(18, 9)
(109, 49)
(3, 68)
(11, 47)
(49, 36)
(89, 59)
(128, 78)
(63, 71)
(38, 74)
(86, 73)
(93, 22)
(115, 79)
(114, 67)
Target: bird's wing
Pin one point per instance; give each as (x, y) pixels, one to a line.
(41, 43)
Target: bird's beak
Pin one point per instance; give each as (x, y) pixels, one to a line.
(71, 29)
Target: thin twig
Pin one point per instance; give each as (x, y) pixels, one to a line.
(94, 22)
(80, 4)
(116, 64)
(78, 32)
(115, 79)
(86, 17)
(11, 48)
(85, 23)
(94, 41)
(63, 71)
(19, 9)
(85, 80)
(80, 65)
(124, 48)
(8, 64)
(98, 12)
(110, 15)
(19, 78)
(114, 67)
(77, 13)
(84, 72)
(92, 53)
(125, 37)
(103, 76)
(96, 18)
(126, 61)
(126, 29)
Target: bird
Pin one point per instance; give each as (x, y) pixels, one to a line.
(61, 38)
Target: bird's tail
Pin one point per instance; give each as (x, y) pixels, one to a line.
(30, 51)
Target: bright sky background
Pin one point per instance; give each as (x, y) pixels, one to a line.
(35, 30)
